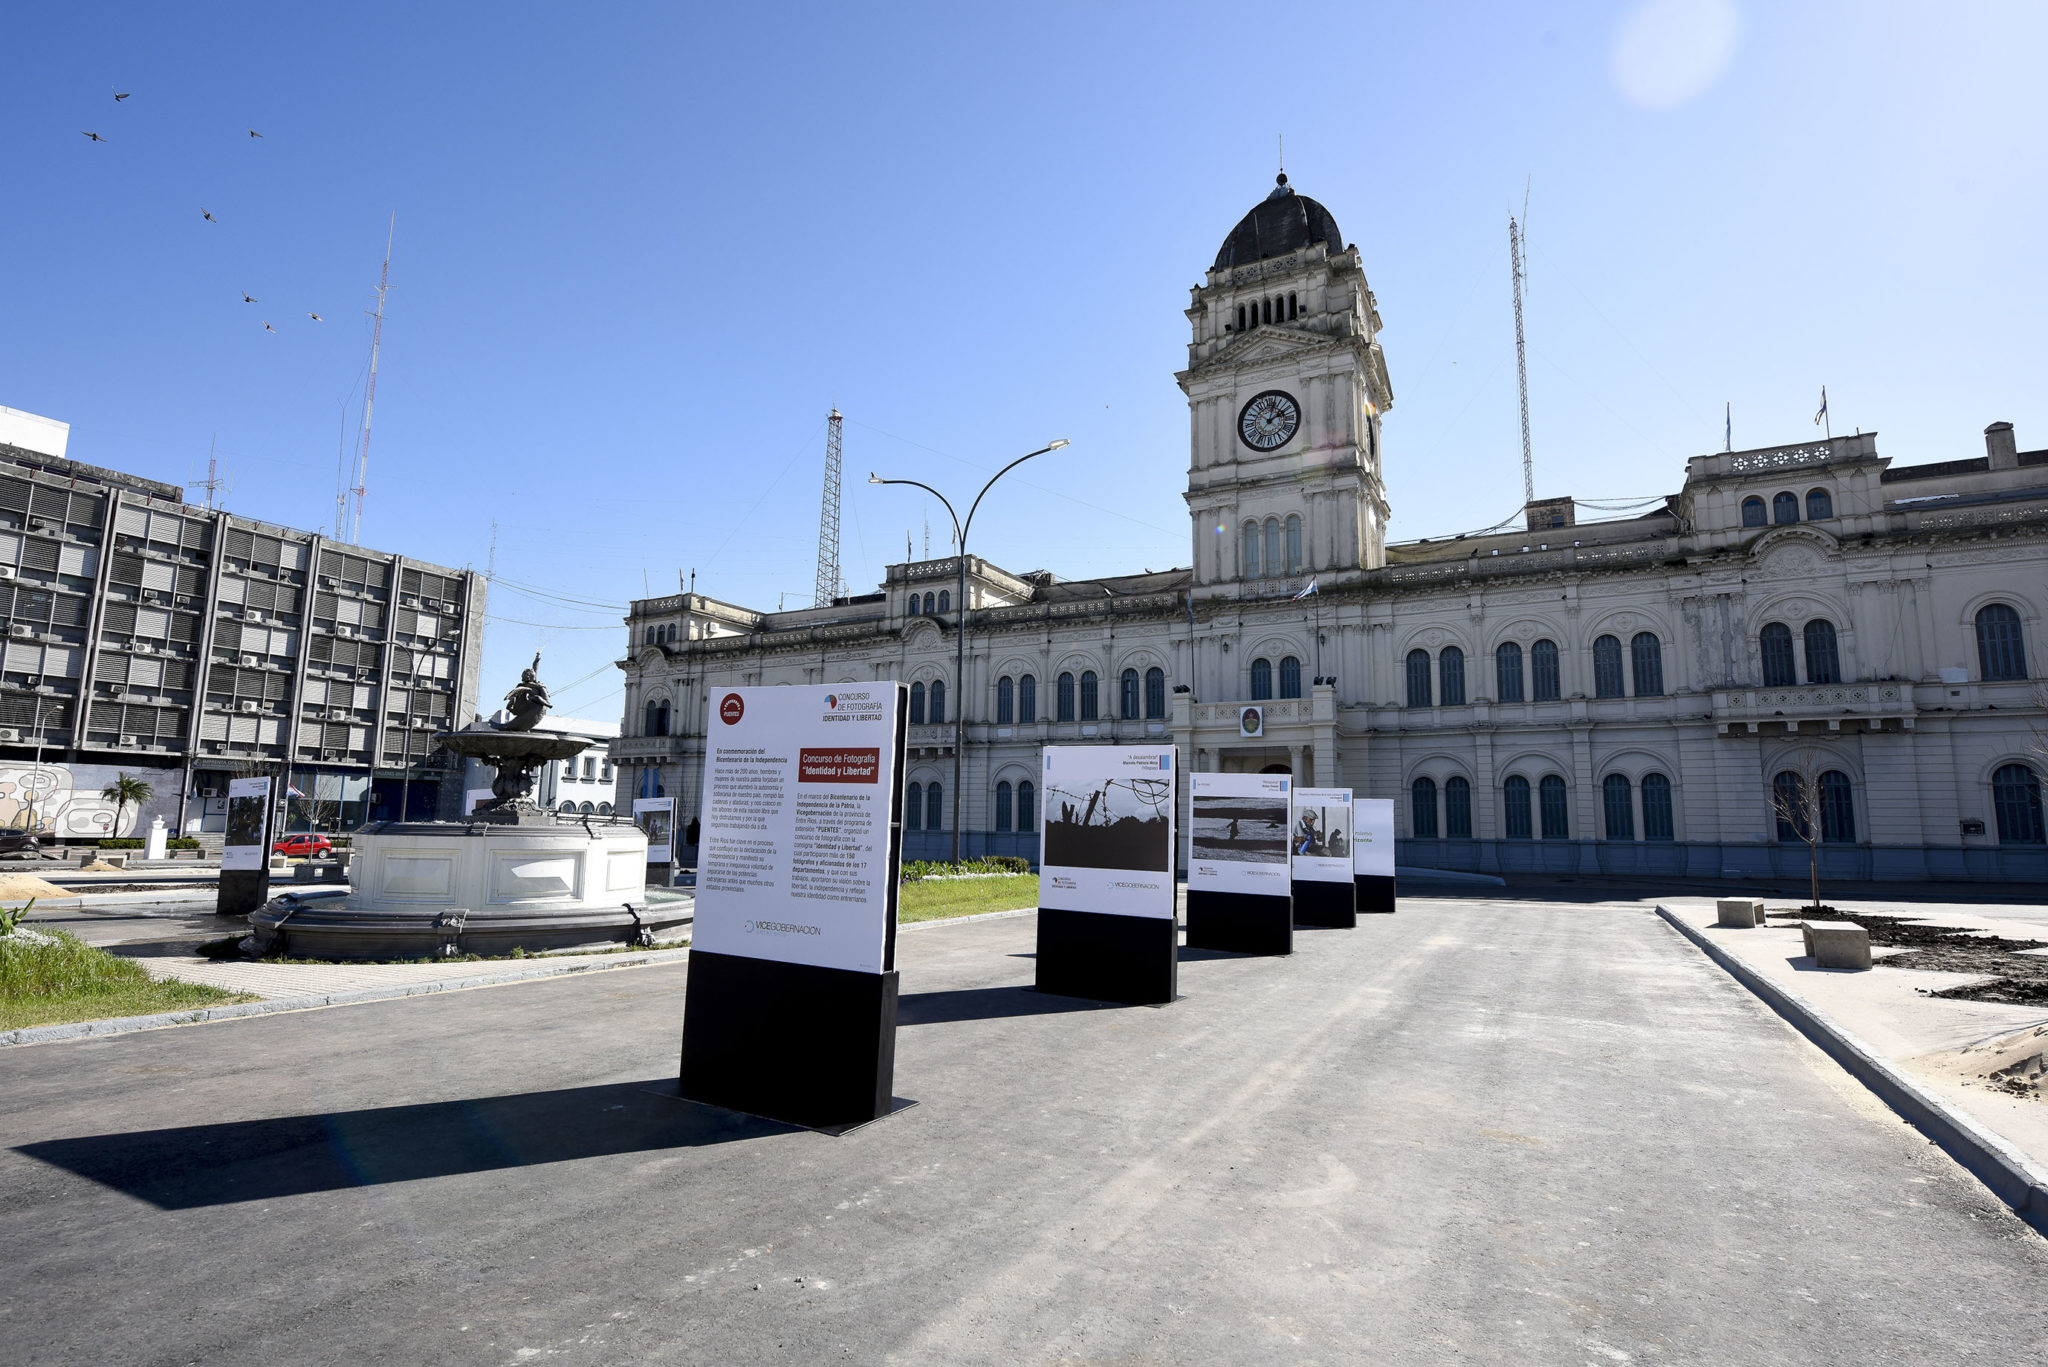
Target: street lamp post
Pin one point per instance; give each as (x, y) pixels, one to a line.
(960, 530)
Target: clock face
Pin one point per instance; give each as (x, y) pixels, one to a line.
(1269, 421)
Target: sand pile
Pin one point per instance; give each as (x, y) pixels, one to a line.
(19, 887)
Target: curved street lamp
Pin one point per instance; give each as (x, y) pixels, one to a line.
(960, 530)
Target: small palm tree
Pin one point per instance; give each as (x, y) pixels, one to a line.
(124, 792)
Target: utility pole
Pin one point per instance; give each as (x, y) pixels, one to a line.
(828, 520)
(355, 530)
(1518, 267)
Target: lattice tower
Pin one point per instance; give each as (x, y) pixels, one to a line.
(828, 520)
(1517, 267)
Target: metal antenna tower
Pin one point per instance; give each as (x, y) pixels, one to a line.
(355, 529)
(1519, 267)
(213, 483)
(828, 520)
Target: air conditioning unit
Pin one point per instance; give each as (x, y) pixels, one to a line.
(409, 601)
(130, 741)
(9, 733)
(185, 602)
(330, 754)
(152, 596)
(6, 571)
(118, 691)
(209, 792)
(37, 524)
(251, 661)
(337, 714)
(343, 629)
(251, 705)
(21, 631)
(143, 648)
(330, 581)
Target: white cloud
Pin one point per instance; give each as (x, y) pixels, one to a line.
(1669, 51)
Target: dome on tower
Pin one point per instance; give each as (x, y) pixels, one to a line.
(1282, 222)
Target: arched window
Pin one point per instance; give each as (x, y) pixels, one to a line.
(1514, 807)
(2016, 801)
(1618, 802)
(650, 636)
(1155, 693)
(1274, 553)
(1543, 678)
(913, 808)
(1006, 701)
(1027, 698)
(945, 600)
(1240, 317)
(1788, 804)
(1646, 657)
(934, 807)
(567, 809)
(1607, 667)
(1820, 505)
(1837, 809)
(1027, 806)
(1418, 678)
(1422, 808)
(1293, 310)
(1753, 514)
(1088, 708)
(1127, 694)
(604, 809)
(1450, 669)
(938, 701)
(1003, 805)
(928, 607)
(1262, 679)
(589, 809)
(917, 704)
(661, 719)
(1556, 816)
(1657, 808)
(1251, 550)
(1294, 543)
(1774, 643)
(1267, 311)
(653, 716)
(1507, 671)
(1823, 665)
(1290, 677)
(914, 600)
(1063, 697)
(1785, 508)
(2001, 649)
(1457, 808)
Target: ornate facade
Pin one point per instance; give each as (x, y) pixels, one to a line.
(1804, 640)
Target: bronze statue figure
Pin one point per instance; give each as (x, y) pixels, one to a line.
(528, 701)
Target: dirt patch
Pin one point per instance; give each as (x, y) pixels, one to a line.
(15, 887)
(2017, 979)
(2011, 1065)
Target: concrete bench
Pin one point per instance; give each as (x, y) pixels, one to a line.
(1741, 912)
(1836, 944)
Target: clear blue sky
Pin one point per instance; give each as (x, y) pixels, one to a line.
(641, 250)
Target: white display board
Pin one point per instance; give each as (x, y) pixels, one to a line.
(656, 817)
(1237, 833)
(1321, 838)
(247, 846)
(1106, 830)
(794, 857)
(1372, 837)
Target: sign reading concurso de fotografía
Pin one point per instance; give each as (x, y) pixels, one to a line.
(1107, 843)
(794, 862)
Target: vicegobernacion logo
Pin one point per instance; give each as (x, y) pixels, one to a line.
(731, 709)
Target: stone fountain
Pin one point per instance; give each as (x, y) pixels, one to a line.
(509, 876)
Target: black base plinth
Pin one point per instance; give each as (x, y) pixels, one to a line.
(242, 891)
(1129, 959)
(1330, 905)
(1240, 922)
(1375, 891)
(811, 1046)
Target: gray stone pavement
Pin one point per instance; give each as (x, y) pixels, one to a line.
(1472, 1132)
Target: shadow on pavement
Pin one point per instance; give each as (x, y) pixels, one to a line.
(987, 1003)
(261, 1160)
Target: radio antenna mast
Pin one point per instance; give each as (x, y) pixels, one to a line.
(1519, 267)
(828, 520)
(355, 530)
(213, 483)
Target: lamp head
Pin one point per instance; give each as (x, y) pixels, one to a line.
(874, 478)
(1056, 443)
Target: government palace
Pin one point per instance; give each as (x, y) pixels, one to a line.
(1805, 647)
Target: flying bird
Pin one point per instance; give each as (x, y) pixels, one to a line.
(94, 136)
(119, 95)
(246, 298)
(208, 216)
(268, 328)
(254, 134)
(316, 317)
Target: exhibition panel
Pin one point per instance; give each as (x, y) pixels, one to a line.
(1372, 852)
(1320, 841)
(1106, 926)
(1239, 890)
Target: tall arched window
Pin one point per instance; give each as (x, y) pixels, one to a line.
(2016, 801)
(1063, 697)
(930, 605)
(1262, 679)
(1293, 311)
(1027, 806)
(934, 807)
(1266, 311)
(1422, 808)
(1128, 694)
(1240, 317)
(652, 727)
(1294, 561)
(1027, 698)
(917, 704)
(1418, 678)
(1556, 815)
(1275, 552)
(1155, 693)
(1774, 644)
(1516, 822)
(938, 701)
(1617, 799)
(1657, 823)
(1646, 658)
(1507, 671)
(1607, 667)
(1457, 808)
(1753, 514)
(1450, 669)
(1003, 805)
(1006, 701)
(1823, 664)
(1290, 677)
(1251, 550)
(1785, 508)
(945, 600)
(650, 637)
(913, 808)
(1837, 809)
(914, 603)
(1088, 701)
(2001, 648)
(1820, 505)
(1543, 674)
(1788, 804)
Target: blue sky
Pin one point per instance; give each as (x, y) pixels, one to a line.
(641, 250)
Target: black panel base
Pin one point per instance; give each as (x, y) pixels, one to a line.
(1332, 905)
(1375, 891)
(242, 891)
(810, 1046)
(1240, 922)
(1130, 959)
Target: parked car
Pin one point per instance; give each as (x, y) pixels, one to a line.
(19, 842)
(306, 845)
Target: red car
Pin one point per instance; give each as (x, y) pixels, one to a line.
(306, 844)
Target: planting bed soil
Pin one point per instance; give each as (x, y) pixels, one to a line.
(2016, 979)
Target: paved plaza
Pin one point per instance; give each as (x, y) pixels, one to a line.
(1472, 1132)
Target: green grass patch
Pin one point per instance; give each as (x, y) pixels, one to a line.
(935, 901)
(67, 980)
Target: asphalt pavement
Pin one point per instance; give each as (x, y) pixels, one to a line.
(1472, 1132)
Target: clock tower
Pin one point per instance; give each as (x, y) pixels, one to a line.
(1286, 387)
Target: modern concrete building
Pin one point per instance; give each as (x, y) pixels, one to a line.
(186, 647)
(1624, 696)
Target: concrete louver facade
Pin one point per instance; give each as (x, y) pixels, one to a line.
(1575, 697)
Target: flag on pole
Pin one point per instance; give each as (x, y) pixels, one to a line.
(1728, 427)
(1305, 592)
(291, 790)
(1821, 416)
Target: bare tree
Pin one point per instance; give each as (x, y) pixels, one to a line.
(1797, 805)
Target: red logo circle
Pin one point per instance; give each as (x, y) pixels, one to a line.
(731, 709)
